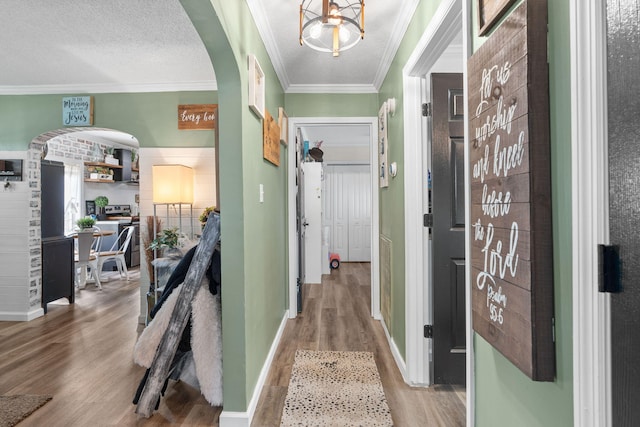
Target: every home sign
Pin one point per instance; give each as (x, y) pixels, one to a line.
(511, 240)
(197, 116)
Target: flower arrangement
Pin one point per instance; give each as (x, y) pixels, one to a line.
(85, 222)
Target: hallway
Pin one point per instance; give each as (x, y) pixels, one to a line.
(336, 316)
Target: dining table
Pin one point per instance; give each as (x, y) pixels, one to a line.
(85, 240)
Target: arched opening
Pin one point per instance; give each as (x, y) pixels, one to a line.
(70, 158)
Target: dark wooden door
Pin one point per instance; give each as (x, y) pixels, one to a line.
(623, 47)
(448, 207)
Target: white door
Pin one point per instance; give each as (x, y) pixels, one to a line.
(336, 212)
(359, 189)
(348, 211)
(312, 196)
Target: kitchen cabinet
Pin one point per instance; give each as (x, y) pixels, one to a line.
(124, 172)
(57, 270)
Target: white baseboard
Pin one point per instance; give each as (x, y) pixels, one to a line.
(243, 419)
(16, 316)
(402, 366)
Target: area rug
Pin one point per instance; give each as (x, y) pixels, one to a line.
(14, 409)
(335, 388)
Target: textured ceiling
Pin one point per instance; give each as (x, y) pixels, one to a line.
(54, 46)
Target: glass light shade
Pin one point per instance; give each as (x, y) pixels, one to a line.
(172, 184)
(345, 35)
(316, 30)
(327, 26)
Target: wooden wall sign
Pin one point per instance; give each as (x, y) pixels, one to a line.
(77, 111)
(490, 12)
(198, 117)
(271, 139)
(511, 239)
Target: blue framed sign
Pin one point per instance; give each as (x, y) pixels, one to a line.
(77, 111)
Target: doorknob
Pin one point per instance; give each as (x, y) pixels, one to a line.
(304, 224)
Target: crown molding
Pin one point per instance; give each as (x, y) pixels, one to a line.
(399, 30)
(268, 39)
(326, 88)
(209, 85)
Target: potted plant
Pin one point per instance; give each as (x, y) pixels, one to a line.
(109, 158)
(134, 159)
(204, 216)
(167, 240)
(101, 202)
(86, 223)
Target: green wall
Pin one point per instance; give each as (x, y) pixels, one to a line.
(392, 197)
(331, 105)
(254, 234)
(499, 384)
(503, 395)
(151, 117)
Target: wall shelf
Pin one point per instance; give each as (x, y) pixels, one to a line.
(109, 181)
(104, 169)
(104, 165)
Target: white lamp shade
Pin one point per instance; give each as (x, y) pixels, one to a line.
(172, 184)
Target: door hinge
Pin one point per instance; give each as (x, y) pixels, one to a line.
(426, 109)
(609, 274)
(428, 331)
(427, 220)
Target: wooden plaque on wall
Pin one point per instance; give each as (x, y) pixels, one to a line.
(197, 116)
(511, 238)
(271, 139)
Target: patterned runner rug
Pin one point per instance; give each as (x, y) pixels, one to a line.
(14, 409)
(335, 388)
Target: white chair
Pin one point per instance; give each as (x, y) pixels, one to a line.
(116, 253)
(86, 257)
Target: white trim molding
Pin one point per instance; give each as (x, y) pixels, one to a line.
(243, 419)
(329, 88)
(209, 85)
(294, 124)
(591, 341)
(443, 28)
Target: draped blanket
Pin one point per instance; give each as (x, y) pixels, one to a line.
(202, 366)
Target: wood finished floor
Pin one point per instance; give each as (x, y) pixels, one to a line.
(336, 316)
(82, 355)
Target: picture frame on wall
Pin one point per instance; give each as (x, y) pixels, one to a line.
(90, 207)
(283, 122)
(256, 86)
(383, 148)
(490, 12)
(271, 139)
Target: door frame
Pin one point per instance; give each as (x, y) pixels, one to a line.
(590, 213)
(294, 124)
(445, 25)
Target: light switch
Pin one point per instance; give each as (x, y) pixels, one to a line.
(261, 193)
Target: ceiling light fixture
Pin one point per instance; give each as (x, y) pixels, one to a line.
(331, 28)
